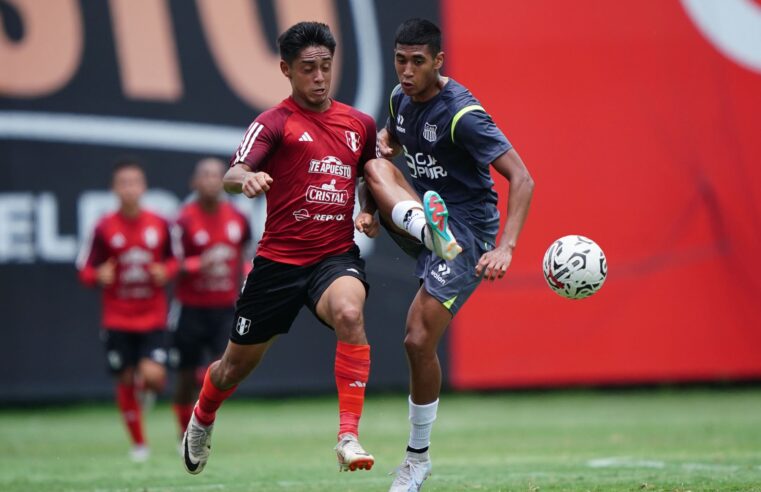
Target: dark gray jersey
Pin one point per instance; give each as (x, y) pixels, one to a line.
(449, 143)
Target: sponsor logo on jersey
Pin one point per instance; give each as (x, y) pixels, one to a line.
(423, 165)
(352, 140)
(330, 165)
(133, 268)
(136, 256)
(327, 194)
(306, 137)
(217, 274)
(301, 214)
(429, 132)
(328, 217)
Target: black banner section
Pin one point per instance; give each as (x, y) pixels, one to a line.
(83, 83)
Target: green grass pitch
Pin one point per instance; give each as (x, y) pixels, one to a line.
(642, 440)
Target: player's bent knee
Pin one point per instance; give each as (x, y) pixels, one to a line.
(418, 345)
(155, 382)
(349, 325)
(348, 317)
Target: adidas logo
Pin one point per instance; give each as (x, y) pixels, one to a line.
(357, 384)
(306, 137)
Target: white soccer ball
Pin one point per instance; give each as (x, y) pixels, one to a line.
(575, 267)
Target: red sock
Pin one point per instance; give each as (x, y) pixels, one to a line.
(183, 411)
(128, 406)
(352, 369)
(210, 400)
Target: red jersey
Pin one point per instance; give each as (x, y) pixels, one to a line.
(133, 302)
(219, 237)
(314, 160)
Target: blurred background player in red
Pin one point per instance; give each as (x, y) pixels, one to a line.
(209, 240)
(129, 256)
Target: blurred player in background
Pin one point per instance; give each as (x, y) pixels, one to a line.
(305, 154)
(129, 256)
(209, 239)
(448, 141)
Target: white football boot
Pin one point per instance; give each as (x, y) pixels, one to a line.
(411, 474)
(196, 445)
(351, 455)
(140, 453)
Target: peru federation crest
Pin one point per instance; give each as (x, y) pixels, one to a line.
(352, 140)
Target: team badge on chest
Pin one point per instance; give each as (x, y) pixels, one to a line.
(233, 232)
(429, 132)
(352, 140)
(151, 237)
(201, 237)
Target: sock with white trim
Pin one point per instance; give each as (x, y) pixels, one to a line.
(408, 215)
(421, 422)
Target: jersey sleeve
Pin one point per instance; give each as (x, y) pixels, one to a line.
(475, 131)
(260, 139)
(168, 258)
(92, 254)
(393, 108)
(371, 142)
(190, 264)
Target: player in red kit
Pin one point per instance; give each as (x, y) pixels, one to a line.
(209, 239)
(129, 256)
(306, 154)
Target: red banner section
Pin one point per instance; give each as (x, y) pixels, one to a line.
(640, 123)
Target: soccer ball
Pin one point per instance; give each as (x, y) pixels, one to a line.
(574, 267)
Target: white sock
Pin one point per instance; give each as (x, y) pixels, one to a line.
(408, 215)
(421, 420)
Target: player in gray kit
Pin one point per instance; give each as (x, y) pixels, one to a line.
(448, 141)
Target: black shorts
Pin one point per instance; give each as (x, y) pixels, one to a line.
(275, 292)
(198, 330)
(124, 349)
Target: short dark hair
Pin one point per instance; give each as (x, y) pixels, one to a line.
(303, 35)
(419, 31)
(125, 162)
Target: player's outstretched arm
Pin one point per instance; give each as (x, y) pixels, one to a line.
(365, 221)
(495, 263)
(387, 145)
(240, 179)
